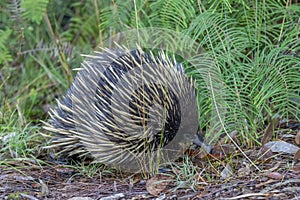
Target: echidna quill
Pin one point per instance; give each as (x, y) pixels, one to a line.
(126, 108)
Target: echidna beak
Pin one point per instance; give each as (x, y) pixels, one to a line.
(199, 140)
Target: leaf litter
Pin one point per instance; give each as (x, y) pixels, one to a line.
(222, 174)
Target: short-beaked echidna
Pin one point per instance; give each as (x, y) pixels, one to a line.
(125, 105)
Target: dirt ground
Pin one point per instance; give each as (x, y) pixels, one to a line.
(25, 180)
(223, 175)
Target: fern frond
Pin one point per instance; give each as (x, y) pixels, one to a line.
(34, 10)
(172, 14)
(14, 7)
(5, 55)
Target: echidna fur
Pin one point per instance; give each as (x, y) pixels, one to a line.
(92, 119)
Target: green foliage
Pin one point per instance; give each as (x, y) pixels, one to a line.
(5, 56)
(18, 141)
(252, 74)
(172, 14)
(89, 171)
(186, 175)
(34, 10)
(247, 73)
(82, 28)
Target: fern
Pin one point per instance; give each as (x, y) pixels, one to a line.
(117, 16)
(82, 28)
(251, 77)
(5, 55)
(172, 14)
(248, 71)
(15, 9)
(34, 10)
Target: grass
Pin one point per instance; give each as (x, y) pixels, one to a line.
(187, 175)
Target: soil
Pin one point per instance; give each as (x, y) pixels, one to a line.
(226, 174)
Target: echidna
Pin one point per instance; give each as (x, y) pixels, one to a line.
(125, 106)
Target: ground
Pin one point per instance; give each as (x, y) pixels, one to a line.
(224, 174)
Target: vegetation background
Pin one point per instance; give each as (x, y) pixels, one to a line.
(254, 45)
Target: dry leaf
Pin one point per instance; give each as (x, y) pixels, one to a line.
(270, 130)
(297, 155)
(274, 175)
(297, 138)
(158, 184)
(264, 154)
(202, 193)
(221, 151)
(296, 169)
